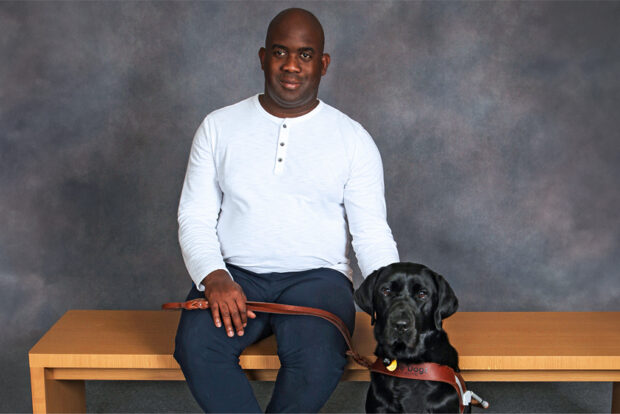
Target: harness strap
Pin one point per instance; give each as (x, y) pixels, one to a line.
(428, 371)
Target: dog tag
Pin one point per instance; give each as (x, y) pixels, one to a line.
(392, 366)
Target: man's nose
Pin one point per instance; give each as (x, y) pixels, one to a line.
(291, 64)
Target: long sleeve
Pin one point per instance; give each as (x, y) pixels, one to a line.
(199, 208)
(364, 202)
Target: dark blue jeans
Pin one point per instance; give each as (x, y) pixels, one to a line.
(311, 350)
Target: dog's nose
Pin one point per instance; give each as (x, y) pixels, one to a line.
(402, 325)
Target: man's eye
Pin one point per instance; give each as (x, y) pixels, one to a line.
(422, 294)
(386, 291)
(279, 53)
(306, 56)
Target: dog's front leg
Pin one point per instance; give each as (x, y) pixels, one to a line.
(380, 397)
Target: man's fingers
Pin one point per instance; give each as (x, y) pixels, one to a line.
(247, 313)
(227, 321)
(242, 311)
(215, 313)
(235, 315)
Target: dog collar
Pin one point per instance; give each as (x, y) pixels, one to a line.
(429, 371)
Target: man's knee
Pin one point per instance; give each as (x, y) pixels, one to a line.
(199, 343)
(324, 367)
(318, 351)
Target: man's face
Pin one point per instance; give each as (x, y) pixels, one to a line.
(293, 63)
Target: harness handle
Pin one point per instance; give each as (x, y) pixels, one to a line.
(201, 303)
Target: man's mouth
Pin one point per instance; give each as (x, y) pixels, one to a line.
(290, 84)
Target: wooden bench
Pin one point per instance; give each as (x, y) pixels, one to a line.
(493, 346)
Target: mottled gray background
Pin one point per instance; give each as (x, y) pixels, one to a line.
(497, 122)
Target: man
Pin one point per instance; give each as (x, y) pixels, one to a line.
(271, 184)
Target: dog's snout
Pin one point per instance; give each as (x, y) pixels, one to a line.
(401, 320)
(402, 325)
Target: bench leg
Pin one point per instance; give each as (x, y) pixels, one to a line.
(56, 396)
(615, 398)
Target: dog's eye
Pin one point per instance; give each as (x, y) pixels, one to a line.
(422, 294)
(386, 291)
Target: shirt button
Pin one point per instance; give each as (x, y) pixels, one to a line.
(284, 126)
(281, 144)
(279, 159)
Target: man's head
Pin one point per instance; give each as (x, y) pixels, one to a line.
(293, 62)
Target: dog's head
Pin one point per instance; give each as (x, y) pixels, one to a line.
(405, 300)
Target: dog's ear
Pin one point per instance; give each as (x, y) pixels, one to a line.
(447, 303)
(365, 293)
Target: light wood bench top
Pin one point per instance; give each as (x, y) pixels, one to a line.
(496, 341)
(493, 346)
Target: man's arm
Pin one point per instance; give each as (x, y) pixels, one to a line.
(198, 213)
(364, 203)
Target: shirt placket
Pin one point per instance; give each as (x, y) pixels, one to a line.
(282, 147)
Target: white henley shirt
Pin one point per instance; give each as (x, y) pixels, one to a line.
(273, 194)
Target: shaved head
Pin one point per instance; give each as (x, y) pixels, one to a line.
(295, 16)
(293, 62)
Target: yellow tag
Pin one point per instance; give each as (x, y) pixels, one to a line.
(392, 366)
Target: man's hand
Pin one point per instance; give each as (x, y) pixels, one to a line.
(227, 302)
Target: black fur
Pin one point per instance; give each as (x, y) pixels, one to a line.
(407, 303)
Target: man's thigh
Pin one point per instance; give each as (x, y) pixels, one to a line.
(322, 288)
(326, 289)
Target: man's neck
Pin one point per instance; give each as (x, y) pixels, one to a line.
(274, 109)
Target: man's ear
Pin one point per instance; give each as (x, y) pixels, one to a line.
(365, 293)
(325, 60)
(261, 56)
(447, 303)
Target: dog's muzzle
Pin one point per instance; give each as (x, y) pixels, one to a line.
(401, 321)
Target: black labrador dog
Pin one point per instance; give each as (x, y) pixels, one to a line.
(407, 303)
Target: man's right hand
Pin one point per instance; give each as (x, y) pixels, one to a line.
(227, 302)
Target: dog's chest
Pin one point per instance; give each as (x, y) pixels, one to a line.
(391, 394)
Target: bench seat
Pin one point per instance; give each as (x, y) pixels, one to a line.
(493, 346)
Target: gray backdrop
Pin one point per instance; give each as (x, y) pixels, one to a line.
(497, 123)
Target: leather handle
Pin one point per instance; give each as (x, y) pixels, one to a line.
(279, 308)
(189, 305)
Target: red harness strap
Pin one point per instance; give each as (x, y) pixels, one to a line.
(427, 371)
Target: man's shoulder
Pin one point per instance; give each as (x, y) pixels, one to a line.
(336, 115)
(344, 121)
